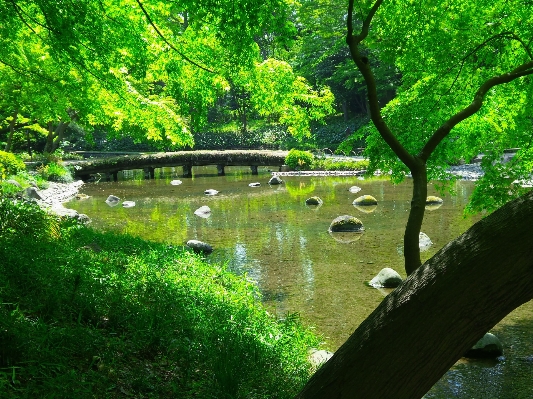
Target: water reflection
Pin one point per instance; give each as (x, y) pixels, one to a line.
(269, 234)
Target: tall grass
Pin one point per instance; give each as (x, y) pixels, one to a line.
(85, 314)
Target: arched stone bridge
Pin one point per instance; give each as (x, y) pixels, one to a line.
(187, 159)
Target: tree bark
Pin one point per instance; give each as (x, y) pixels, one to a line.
(440, 311)
(55, 136)
(411, 248)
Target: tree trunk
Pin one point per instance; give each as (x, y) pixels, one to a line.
(12, 123)
(411, 248)
(60, 134)
(54, 137)
(49, 139)
(440, 311)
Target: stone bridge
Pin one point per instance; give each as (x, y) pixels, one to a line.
(186, 159)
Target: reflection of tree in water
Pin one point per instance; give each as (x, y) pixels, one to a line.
(509, 377)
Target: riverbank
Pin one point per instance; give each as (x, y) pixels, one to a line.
(88, 314)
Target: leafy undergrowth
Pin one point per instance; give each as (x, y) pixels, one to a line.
(95, 315)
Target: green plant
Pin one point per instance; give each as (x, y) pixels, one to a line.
(339, 164)
(96, 315)
(10, 164)
(55, 172)
(297, 159)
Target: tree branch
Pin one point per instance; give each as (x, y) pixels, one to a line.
(363, 65)
(476, 104)
(151, 22)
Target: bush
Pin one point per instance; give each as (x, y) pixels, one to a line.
(10, 164)
(297, 159)
(343, 164)
(55, 172)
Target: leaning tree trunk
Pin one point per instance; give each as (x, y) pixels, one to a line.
(440, 311)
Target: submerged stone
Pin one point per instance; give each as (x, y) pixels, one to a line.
(365, 200)
(386, 278)
(128, 204)
(424, 242)
(203, 212)
(354, 189)
(199, 246)
(275, 180)
(112, 200)
(431, 200)
(211, 192)
(176, 182)
(346, 223)
(314, 201)
(433, 203)
(254, 184)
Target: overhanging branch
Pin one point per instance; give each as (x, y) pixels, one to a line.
(476, 104)
(364, 67)
(151, 22)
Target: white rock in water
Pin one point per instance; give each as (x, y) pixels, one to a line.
(211, 192)
(354, 189)
(128, 204)
(424, 242)
(318, 357)
(203, 212)
(176, 182)
(254, 184)
(386, 278)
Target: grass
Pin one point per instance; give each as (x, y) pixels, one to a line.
(86, 314)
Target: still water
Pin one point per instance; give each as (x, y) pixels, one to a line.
(284, 246)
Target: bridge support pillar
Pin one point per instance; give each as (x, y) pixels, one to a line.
(187, 170)
(254, 170)
(220, 169)
(109, 174)
(149, 172)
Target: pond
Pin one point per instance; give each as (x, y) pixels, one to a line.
(284, 246)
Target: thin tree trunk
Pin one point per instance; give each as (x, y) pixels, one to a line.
(9, 142)
(49, 139)
(411, 248)
(440, 311)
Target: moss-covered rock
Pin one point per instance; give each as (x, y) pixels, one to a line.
(346, 223)
(432, 200)
(365, 200)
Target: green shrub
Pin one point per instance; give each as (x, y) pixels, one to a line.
(297, 159)
(10, 164)
(55, 172)
(344, 164)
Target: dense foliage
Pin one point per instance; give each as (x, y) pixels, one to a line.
(10, 164)
(87, 314)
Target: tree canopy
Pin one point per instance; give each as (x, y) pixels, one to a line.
(147, 69)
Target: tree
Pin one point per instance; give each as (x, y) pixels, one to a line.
(465, 67)
(440, 311)
(452, 63)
